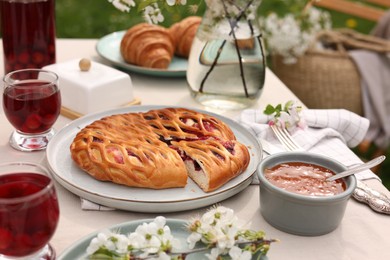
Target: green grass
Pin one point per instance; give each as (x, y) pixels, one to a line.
(96, 18)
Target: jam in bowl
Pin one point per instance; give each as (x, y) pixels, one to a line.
(296, 198)
(304, 178)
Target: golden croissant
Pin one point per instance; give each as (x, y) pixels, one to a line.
(183, 33)
(147, 45)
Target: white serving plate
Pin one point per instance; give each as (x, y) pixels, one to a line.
(69, 175)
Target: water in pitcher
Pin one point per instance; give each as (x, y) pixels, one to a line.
(226, 73)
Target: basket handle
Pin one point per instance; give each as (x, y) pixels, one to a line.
(357, 40)
(345, 39)
(329, 37)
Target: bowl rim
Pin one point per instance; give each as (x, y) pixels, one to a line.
(310, 158)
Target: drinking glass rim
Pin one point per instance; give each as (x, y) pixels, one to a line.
(8, 75)
(35, 195)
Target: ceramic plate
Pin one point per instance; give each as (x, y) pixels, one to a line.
(177, 227)
(108, 47)
(68, 174)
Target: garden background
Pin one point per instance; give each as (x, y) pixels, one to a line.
(96, 18)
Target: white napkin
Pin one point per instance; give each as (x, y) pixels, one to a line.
(331, 132)
(89, 205)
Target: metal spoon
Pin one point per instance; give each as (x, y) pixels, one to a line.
(359, 168)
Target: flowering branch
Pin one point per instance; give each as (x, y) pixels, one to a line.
(288, 117)
(217, 230)
(153, 11)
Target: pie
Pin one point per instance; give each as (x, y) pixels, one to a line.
(160, 149)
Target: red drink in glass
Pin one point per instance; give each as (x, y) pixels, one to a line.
(26, 228)
(32, 104)
(29, 211)
(28, 31)
(30, 110)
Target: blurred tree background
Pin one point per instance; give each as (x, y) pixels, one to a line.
(96, 18)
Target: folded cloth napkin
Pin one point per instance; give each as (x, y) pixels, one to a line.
(331, 132)
(89, 205)
(374, 69)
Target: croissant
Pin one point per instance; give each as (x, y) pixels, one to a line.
(183, 33)
(147, 45)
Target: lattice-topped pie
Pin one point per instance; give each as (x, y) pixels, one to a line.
(160, 149)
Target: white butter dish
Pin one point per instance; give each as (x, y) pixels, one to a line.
(99, 88)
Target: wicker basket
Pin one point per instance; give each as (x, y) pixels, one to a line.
(328, 78)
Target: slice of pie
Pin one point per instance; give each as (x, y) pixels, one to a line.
(160, 149)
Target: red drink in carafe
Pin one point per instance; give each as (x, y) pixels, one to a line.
(28, 31)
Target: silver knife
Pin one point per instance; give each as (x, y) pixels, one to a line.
(377, 201)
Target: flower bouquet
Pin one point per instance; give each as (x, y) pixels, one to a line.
(290, 34)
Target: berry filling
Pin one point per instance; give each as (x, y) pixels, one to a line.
(97, 140)
(117, 155)
(229, 146)
(187, 158)
(130, 153)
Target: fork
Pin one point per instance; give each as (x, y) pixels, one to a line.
(378, 201)
(286, 139)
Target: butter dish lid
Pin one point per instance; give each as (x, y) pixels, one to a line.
(86, 91)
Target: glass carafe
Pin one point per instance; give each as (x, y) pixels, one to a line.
(226, 67)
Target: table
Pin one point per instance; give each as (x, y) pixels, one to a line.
(363, 234)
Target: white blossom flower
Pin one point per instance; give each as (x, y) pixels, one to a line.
(123, 5)
(148, 239)
(121, 243)
(109, 240)
(214, 254)
(152, 14)
(287, 37)
(193, 238)
(237, 253)
(173, 2)
(217, 226)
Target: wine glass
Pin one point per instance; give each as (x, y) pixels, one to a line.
(32, 104)
(29, 211)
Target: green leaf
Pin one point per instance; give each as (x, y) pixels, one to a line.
(145, 3)
(269, 110)
(288, 105)
(103, 254)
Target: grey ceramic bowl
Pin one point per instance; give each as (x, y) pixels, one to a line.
(301, 214)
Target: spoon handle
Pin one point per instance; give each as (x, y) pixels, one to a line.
(358, 168)
(375, 199)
